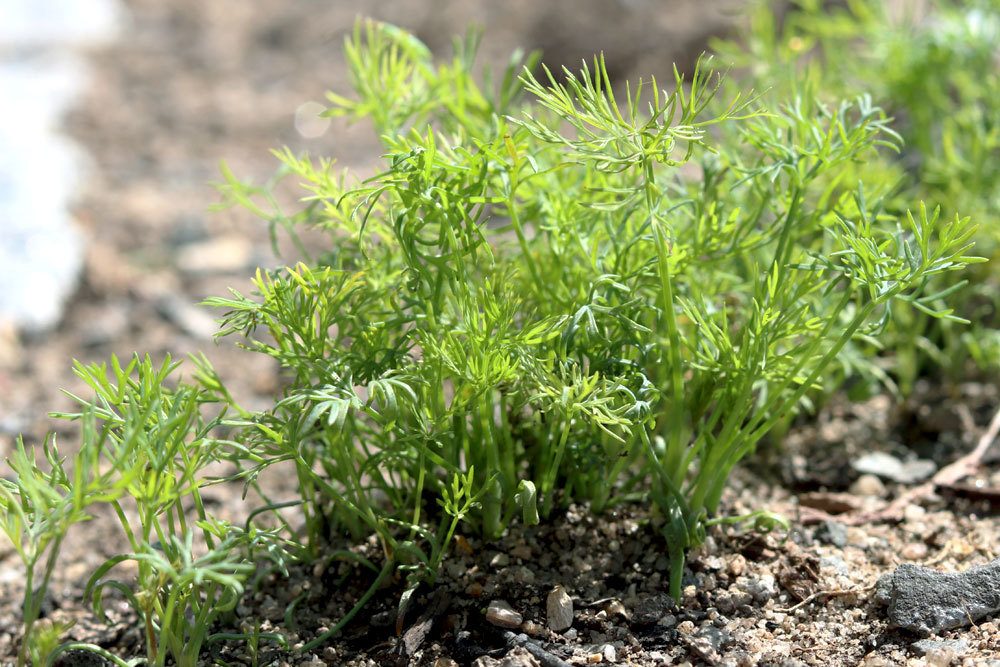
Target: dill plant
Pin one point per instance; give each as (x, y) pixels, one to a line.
(537, 302)
(554, 291)
(143, 453)
(933, 66)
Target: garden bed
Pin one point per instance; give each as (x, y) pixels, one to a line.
(802, 598)
(748, 598)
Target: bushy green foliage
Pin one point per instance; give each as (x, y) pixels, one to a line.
(143, 452)
(566, 296)
(935, 67)
(549, 294)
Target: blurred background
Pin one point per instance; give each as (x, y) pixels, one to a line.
(113, 119)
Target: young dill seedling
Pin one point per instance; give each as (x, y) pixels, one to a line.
(143, 451)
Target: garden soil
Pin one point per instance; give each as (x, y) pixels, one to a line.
(189, 83)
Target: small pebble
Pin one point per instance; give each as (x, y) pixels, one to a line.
(500, 560)
(868, 485)
(501, 614)
(615, 608)
(558, 609)
(914, 551)
(737, 565)
(956, 647)
(533, 629)
(522, 575)
(194, 321)
(609, 654)
(832, 532)
(667, 621)
(228, 254)
(522, 551)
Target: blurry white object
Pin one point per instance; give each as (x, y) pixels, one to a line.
(63, 23)
(40, 249)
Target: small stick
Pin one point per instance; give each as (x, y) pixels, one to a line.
(951, 473)
(825, 594)
(946, 476)
(540, 654)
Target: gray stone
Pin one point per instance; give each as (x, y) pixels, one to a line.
(559, 609)
(195, 321)
(956, 647)
(709, 642)
(832, 532)
(762, 589)
(835, 563)
(927, 601)
(889, 467)
(519, 574)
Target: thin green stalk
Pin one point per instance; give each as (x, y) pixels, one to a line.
(89, 648)
(551, 470)
(526, 252)
(774, 409)
(33, 597)
(675, 419)
(321, 639)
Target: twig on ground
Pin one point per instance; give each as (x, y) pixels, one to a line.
(945, 477)
(545, 658)
(950, 474)
(837, 592)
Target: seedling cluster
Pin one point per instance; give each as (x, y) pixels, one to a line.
(556, 290)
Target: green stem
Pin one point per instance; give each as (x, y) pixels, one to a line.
(90, 648)
(776, 407)
(552, 471)
(676, 415)
(321, 639)
(529, 259)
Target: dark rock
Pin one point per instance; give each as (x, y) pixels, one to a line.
(832, 532)
(927, 601)
(651, 609)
